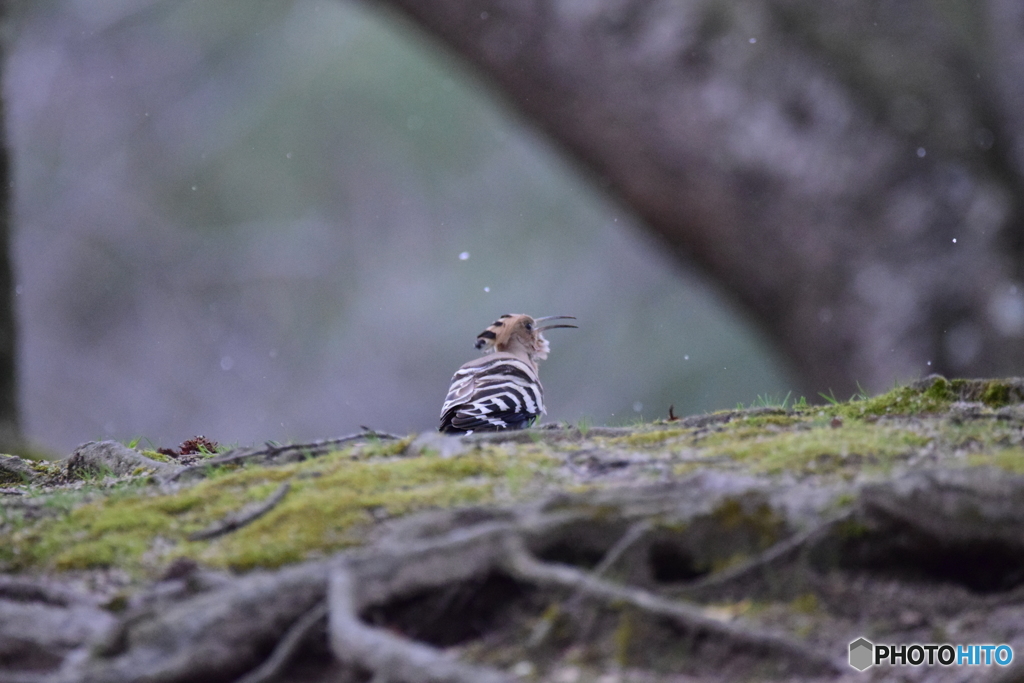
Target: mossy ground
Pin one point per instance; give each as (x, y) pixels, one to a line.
(863, 436)
(333, 500)
(337, 499)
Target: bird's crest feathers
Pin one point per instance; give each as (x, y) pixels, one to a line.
(520, 335)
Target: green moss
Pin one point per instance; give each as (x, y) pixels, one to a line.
(996, 394)
(324, 519)
(940, 389)
(900, 401)
(719, 564)
(333, 500)
(737, 431)
(623, 637)
(769, 420)
(685, 468)
(844, 500)
(94, 554)
(1009, 459)
(375, 448)
(851, 529)
(20, 470)
(931, 396)
(177, 504)
(118, 604)
(336, 499)
(650, 438)
(819, 450)
(806, 604)
(12, 478)
(159, 457)
(46, 468)
(760, 522)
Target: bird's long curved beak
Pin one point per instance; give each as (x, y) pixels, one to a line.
(554, 317)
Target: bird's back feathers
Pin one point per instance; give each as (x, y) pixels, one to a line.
(497, 391)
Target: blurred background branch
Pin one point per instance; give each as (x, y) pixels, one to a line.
(849, 171)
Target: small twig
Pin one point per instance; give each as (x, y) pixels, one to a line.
(282, 654)
(523, 566)
(239, 518)
(389, 656)
(311, 449)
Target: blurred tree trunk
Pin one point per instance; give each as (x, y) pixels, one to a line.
(850, 171)
(10, 431)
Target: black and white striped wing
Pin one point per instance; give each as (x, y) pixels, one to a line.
(501, 393)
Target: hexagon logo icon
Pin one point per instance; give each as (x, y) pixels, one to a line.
(862, 653)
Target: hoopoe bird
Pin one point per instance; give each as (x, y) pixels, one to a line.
(501, 389)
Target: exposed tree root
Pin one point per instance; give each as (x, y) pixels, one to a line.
(214, 635)
(543, 628)
(777, 554)
(212, 632)
(254, 627)
(392, 658)
(47, 591)
(525, 567)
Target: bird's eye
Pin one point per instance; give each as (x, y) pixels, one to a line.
(528, 326)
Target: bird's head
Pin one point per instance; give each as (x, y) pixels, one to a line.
(520, 335)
